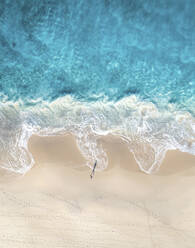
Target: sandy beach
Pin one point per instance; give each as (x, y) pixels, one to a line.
(56, 204)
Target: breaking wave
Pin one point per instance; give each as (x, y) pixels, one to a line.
(148, 132)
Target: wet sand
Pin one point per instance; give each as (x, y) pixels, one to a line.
(56, 204)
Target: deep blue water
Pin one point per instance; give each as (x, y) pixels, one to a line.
(99, 52)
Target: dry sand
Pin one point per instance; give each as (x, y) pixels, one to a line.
(56, 204)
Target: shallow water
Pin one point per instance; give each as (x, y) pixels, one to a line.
(95, 68)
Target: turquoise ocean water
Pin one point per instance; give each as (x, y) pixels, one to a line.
(91, 68)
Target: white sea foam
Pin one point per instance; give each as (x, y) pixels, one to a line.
(148, 131)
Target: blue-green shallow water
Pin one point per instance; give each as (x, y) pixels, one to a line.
(97, 67)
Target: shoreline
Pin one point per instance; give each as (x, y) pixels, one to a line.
(64, 148)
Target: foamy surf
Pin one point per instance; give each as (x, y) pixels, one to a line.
(148, 131)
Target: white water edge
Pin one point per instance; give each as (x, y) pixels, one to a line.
(148, 131)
